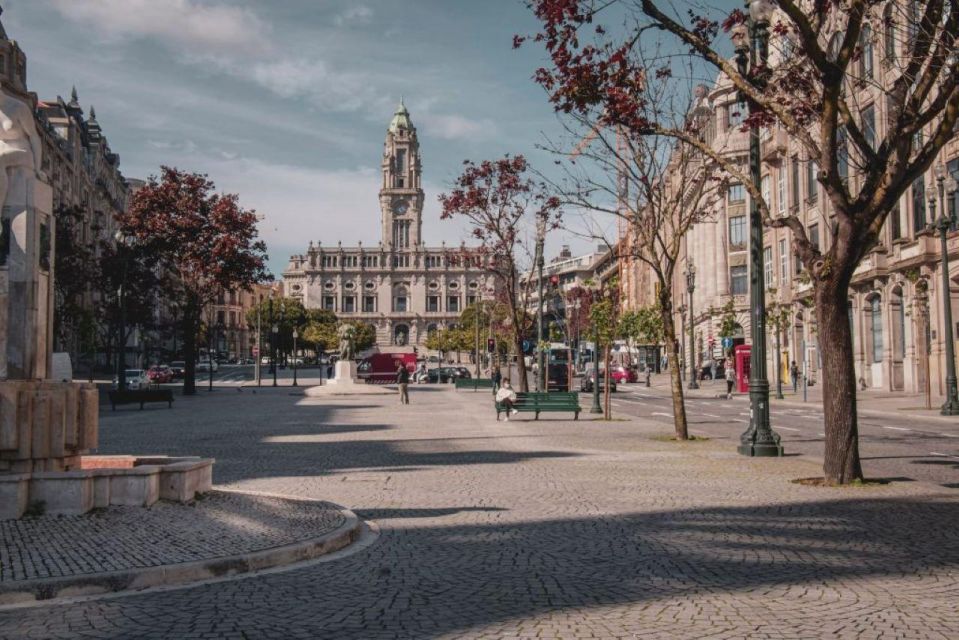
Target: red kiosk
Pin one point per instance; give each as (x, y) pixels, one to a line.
(741, 355)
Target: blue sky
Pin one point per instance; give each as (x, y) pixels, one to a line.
(286, 102)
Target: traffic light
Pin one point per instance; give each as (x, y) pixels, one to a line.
(490, 345)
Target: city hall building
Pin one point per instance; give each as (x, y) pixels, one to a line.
(404, 289)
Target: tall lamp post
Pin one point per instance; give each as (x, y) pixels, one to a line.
(751, 41)
(259, 340)
(295, 336)
(690, 287)
(540, 260)
(780, 318)
(946, 183)
(596, 408)
(123, 243)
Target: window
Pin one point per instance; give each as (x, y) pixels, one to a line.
(781, 196)
(221, 317)
(400, 167)
(889, 32)
(737, 232)
(895, 222)
(876, 326)
(399, 302)
(842, 153)
(737, 280)
(768, 266)
(453, 304)
(737, 113)
(433, 303)
(369, 304)
(869, 126)
(814, 236)
(865, 43)
(349, 304)
(952, 203)
(812, 187)
(918, 206)
(795, 182)
(737, 193)
(797, 264)
(470, 301)
(783, 263)
(329, 303)
(765, 188)
(233, 318)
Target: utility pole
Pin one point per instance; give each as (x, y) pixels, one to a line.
(259, 340)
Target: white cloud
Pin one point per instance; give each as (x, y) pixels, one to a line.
(453, 127)
(313, 80)
(357, 14)
(185, 26)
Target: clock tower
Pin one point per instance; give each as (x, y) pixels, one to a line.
(401, 197)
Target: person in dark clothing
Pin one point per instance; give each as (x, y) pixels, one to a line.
(794, 375)
(403, 380)
(497, 378)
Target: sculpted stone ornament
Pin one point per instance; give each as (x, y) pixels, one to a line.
(347, 336)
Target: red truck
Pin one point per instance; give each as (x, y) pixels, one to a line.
(380, 368)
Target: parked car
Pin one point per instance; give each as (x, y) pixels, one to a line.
(160, 374)
(706, 372)
(444, 374)
(586, 384)
(177, 368)
(203, 366)
(463, 372)
(136, 379)
(622, 374)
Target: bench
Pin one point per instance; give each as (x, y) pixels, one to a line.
(473, 383)
(538, 403)
(141, 396)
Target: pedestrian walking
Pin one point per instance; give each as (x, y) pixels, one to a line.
(730, 378)
(794, 376)
(497, 379)
(507, 397)
(403, 380)
(712, 368)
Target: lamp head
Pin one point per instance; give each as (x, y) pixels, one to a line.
(951, 184)
(940, 171)
(761, 11)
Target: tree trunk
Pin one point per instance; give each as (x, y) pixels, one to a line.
(520, 364)
(607, 413)
(841, 447)
(676, 382)
(191, 326)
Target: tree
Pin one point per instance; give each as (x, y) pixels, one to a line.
(642, 325)
(203, 243)
(497, 199)
(365, 335)
(77, 268)
(286, 314)
(863, 166)
(604, 322)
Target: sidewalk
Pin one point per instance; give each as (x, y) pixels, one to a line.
(870, 401)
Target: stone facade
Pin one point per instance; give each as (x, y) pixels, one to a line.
(889, 329)
(400, 286)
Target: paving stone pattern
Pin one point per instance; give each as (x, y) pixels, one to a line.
(221, 524)
(556, 529)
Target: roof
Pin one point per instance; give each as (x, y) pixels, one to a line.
(401, 119)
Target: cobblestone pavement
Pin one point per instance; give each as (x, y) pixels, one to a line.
(555, 529)
(119, 538)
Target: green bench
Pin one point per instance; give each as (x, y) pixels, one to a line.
(538, 403)
(141, 396)
(473, 383)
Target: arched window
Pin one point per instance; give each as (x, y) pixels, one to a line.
(889, 32)
(865, 43)
(898, 325)
(875, 323)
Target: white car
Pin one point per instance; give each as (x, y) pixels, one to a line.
(203, 366)
(136, 379)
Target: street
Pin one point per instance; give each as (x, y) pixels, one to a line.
(556, 528)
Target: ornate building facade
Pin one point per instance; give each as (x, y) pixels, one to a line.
(400, 286)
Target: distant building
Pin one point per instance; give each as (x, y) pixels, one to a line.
(403, 288)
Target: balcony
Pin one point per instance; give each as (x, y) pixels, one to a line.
(773, 147)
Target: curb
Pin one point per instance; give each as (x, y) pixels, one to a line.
(182, 574)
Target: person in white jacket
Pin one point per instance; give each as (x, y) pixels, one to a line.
(506, 396)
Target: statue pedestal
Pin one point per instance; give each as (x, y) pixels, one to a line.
(345, 383)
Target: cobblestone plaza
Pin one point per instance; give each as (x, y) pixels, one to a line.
(553, 529)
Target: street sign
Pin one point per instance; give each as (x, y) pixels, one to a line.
(727, 343)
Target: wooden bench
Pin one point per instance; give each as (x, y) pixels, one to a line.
(473, 383)
(538, 403)
(141, 396)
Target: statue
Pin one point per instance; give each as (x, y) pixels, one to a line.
(347, 336)
(20, 144)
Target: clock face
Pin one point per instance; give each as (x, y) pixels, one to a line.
(400, 207)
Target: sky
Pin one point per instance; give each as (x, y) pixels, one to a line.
(286, 102)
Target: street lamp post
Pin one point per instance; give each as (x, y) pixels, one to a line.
(123, 242)
(259, 341)
(210, 342)
(951, 406)
(540, 260)
(777, 327)
(751, 41)
(295, 336)
(690, 287)
(275, 330)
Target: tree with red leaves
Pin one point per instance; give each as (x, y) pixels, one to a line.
(811, 90)
(498, 200)
(203, 243)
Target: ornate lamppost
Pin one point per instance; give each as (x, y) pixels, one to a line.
(690, 287)
(596, 408)
(540, 241)
(295, 336)
(124, 242)
(943, 223)
(751, 41)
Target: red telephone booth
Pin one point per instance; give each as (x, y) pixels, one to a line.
(742, 367)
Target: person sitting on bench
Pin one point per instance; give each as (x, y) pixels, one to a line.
(506, 396)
